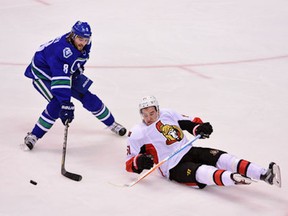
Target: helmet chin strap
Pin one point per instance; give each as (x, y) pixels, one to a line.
(73, 40)
(73, 36)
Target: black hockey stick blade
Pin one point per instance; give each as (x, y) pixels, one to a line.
(72, 176)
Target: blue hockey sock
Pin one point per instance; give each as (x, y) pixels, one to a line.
(104, 115)
(44, 123)
(93, 103)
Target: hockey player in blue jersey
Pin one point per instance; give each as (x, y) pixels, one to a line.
(57, 74)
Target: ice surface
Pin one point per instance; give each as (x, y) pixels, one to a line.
(225, 61)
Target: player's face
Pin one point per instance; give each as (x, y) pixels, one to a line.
(150, 115)
(80, 42)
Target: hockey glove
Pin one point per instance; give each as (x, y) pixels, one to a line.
(67, 112)
(144, 161)
(204, 130)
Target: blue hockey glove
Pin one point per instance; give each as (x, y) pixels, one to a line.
(67, 112)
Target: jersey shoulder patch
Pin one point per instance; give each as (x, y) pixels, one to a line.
(67, 52)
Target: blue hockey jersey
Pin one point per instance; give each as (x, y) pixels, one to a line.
(56, 61)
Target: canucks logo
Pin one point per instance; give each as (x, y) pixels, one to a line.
(171, 132)
(67, 52)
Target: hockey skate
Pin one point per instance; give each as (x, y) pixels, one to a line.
(29, 141)
(239, 179)
(118, 129)
(273, 175)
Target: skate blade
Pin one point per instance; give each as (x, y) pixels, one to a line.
(24, 147)
(277, 177)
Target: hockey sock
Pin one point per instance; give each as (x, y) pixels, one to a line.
(44, 123)
(92, 103)
(104, 115)
(210, 175)
(243, 167)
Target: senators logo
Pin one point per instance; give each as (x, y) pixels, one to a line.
(171, 132)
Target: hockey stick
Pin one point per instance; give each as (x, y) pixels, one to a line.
(162, 162)
(64, 172)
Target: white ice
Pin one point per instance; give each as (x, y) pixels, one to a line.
(225, 61)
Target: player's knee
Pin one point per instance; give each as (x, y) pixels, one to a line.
(53, 108)
(185, 173)
(91, 102)
(211, 156)
(187, 176)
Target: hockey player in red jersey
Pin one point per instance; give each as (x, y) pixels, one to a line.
(161, 133)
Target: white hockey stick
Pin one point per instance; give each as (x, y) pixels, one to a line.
(162, 162)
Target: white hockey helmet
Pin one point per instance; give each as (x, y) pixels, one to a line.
(148, 101)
